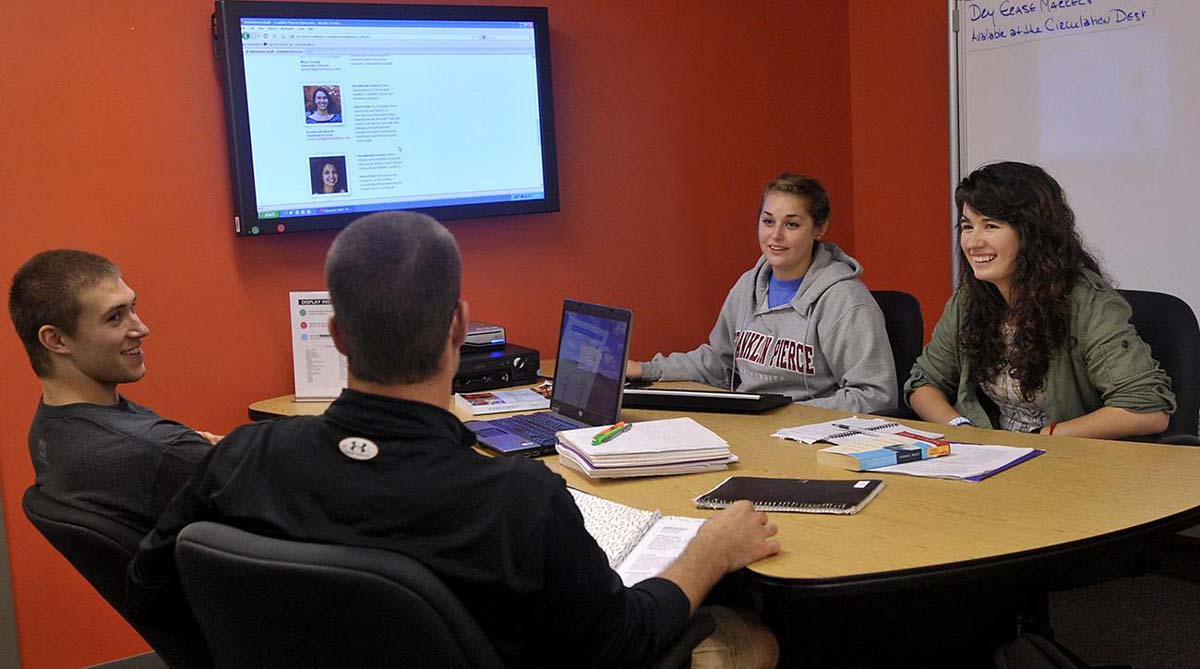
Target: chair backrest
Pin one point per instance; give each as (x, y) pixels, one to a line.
(905, 328)
(267, 602)
(1168, 325)
(100, 548)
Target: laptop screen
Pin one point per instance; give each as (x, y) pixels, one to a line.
(589, 374)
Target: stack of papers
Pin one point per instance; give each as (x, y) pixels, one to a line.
(966, 462)
(650, 448)
(863, 444)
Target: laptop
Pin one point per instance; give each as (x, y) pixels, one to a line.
(589, 377)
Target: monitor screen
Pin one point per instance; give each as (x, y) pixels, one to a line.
(338, 110)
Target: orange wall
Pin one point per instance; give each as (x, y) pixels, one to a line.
(670, 116)
(899, 111)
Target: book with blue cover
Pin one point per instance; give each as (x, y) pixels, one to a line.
(865, 452)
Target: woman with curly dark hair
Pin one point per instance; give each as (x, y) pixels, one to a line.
(1034, 339)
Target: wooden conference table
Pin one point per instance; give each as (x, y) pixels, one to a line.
(1081, 505)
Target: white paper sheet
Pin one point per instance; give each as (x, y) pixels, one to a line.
(658, 548)
(964, 461)
(318, 368)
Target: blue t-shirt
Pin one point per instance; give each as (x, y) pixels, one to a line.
(782, 292)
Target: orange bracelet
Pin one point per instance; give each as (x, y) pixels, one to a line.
(1052, 426)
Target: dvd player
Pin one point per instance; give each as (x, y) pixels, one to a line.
(497, 368)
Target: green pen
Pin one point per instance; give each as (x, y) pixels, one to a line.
(611, 433)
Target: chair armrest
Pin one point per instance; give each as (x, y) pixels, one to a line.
(901, 412)
(1177, 438)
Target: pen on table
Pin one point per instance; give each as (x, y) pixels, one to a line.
(843, 426)
(604, 434)
(611, 433)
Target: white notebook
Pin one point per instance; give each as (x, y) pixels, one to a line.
(652, 437)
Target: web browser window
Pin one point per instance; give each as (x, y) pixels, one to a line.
(350, 116)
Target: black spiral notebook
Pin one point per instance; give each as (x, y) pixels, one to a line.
(794, 495)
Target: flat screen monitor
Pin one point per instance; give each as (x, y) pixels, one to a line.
(338, 110)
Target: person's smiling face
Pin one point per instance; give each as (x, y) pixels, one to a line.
(786, 232)
(991, 247)
(329, 175)
(321, 100)
(107, 343)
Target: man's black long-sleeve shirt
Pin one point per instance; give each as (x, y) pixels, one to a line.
(502, 533)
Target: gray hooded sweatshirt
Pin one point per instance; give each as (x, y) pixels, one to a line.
(827, 347)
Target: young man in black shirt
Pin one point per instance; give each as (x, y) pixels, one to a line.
(91, 447)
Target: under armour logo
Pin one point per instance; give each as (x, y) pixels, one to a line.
(358, 448)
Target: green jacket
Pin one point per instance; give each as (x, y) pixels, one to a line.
(1104, 362)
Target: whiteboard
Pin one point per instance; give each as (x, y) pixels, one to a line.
(1105, 95)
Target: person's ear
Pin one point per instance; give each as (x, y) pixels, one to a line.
(458, 324)
(820, 230)
(336, 335)
(52, 339)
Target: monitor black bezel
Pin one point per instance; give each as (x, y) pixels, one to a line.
(226, 27)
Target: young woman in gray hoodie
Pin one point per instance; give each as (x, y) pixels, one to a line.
(800, 322)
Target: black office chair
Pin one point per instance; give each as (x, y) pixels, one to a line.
(679, 653)
(100, 548)
(266, 602)
(1169, 326)
(906, 333)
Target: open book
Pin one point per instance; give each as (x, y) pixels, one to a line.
(639, 544)
(846, 430)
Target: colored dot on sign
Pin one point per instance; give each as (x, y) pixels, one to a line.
(304, 312)
(303, 325)
(280, 228)
(304, 337)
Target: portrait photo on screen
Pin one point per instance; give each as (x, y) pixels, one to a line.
(328, 174)
(323, 104)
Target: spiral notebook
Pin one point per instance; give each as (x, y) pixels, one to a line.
(793, 495)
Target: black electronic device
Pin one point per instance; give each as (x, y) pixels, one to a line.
(336, 110)
(721, 401)
(499, 368)
(483, 336)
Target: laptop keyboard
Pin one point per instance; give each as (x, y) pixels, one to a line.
(536, 427)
